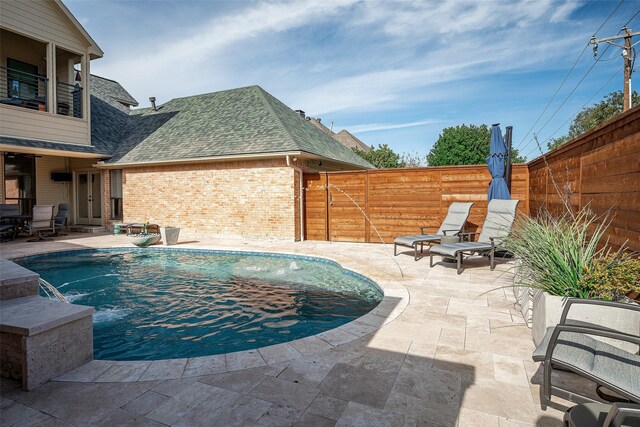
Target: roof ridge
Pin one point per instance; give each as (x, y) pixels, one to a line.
(214, 92)
(273, 112)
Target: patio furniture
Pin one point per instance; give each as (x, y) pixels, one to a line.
(603, 415)
(7, 230)
(120, 228)
(452, 225)
(9, 210)
(497, 226)
(41, 222)
(139, 228)
(571, 346)
(62, 217)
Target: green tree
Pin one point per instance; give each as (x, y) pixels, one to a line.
(556, 142)
(590, 117)
(464, 145)
(382, 157)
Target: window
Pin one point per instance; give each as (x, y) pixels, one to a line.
(22, 79)
(20, 181)
(115, 178)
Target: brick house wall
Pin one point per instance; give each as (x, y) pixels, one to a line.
(250, 199)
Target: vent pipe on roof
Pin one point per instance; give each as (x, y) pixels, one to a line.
(301, 113)
(153, 103)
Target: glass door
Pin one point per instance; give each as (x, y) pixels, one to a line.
(88, 198)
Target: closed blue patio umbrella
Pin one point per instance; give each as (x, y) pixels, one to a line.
(497, 153)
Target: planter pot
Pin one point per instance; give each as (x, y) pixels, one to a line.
(524, 298)
(170, 235)
(523, 293)
(547, 310)
(143, 241)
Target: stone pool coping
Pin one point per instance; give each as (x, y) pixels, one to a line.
(394, 302)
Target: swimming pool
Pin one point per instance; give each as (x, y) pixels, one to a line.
(156, 303)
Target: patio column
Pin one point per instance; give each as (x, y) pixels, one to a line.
(86, 96)
(51, 76)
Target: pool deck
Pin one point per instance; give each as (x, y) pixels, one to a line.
(440, 350)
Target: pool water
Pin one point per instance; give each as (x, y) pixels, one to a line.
(154, 304)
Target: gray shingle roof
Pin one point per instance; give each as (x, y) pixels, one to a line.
(232, 122)
(240, 121)
(111, 91)
(48, 145)
(349, 140)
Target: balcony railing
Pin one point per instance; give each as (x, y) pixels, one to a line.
(30, 91)
(23, 89)
(69, 99)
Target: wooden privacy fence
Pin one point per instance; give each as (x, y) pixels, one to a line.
(397, 201)
(600, 168)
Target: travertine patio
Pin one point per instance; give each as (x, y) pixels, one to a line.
(441, 350)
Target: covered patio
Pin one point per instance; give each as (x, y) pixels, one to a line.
(441, 350)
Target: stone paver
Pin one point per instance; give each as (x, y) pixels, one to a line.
(440, 350)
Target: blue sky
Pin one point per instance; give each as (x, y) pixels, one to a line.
(393, 73)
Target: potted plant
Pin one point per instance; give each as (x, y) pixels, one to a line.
(565, 256)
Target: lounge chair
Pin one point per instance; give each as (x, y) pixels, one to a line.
(497, 226)
(41, 222)
(603, 415)
(571, 346)
(452, 225)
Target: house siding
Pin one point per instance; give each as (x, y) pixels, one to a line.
(49, 192)
(41, 20)
(253, 199)
(39, 125)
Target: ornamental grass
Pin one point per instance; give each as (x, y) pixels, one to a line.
(557, 250)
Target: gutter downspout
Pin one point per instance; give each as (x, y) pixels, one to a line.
(297, 169)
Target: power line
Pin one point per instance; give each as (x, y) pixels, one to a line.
(576, 113)
(571, 93)
(568, 74)
(582, 79)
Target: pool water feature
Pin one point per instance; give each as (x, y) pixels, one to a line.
(156, 303)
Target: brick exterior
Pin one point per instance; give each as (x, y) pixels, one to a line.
(250, 199)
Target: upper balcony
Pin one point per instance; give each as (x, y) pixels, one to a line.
(43, 90)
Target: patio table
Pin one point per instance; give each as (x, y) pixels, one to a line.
(17, 221)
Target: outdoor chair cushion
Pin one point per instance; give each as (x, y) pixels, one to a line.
(594, 359)
(500, 216)
(412, 240)
(451, 249)
(456, 217)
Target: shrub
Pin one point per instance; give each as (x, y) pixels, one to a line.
(612, 277)
(558, 250)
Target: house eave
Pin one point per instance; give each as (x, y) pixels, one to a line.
(93, 48)
(235, 157)
(209, 159)
(50, 152)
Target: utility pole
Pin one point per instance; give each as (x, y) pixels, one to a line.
(627, 55)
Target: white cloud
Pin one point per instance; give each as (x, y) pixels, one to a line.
(381, 55)
(372, 127)
(146, 67)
